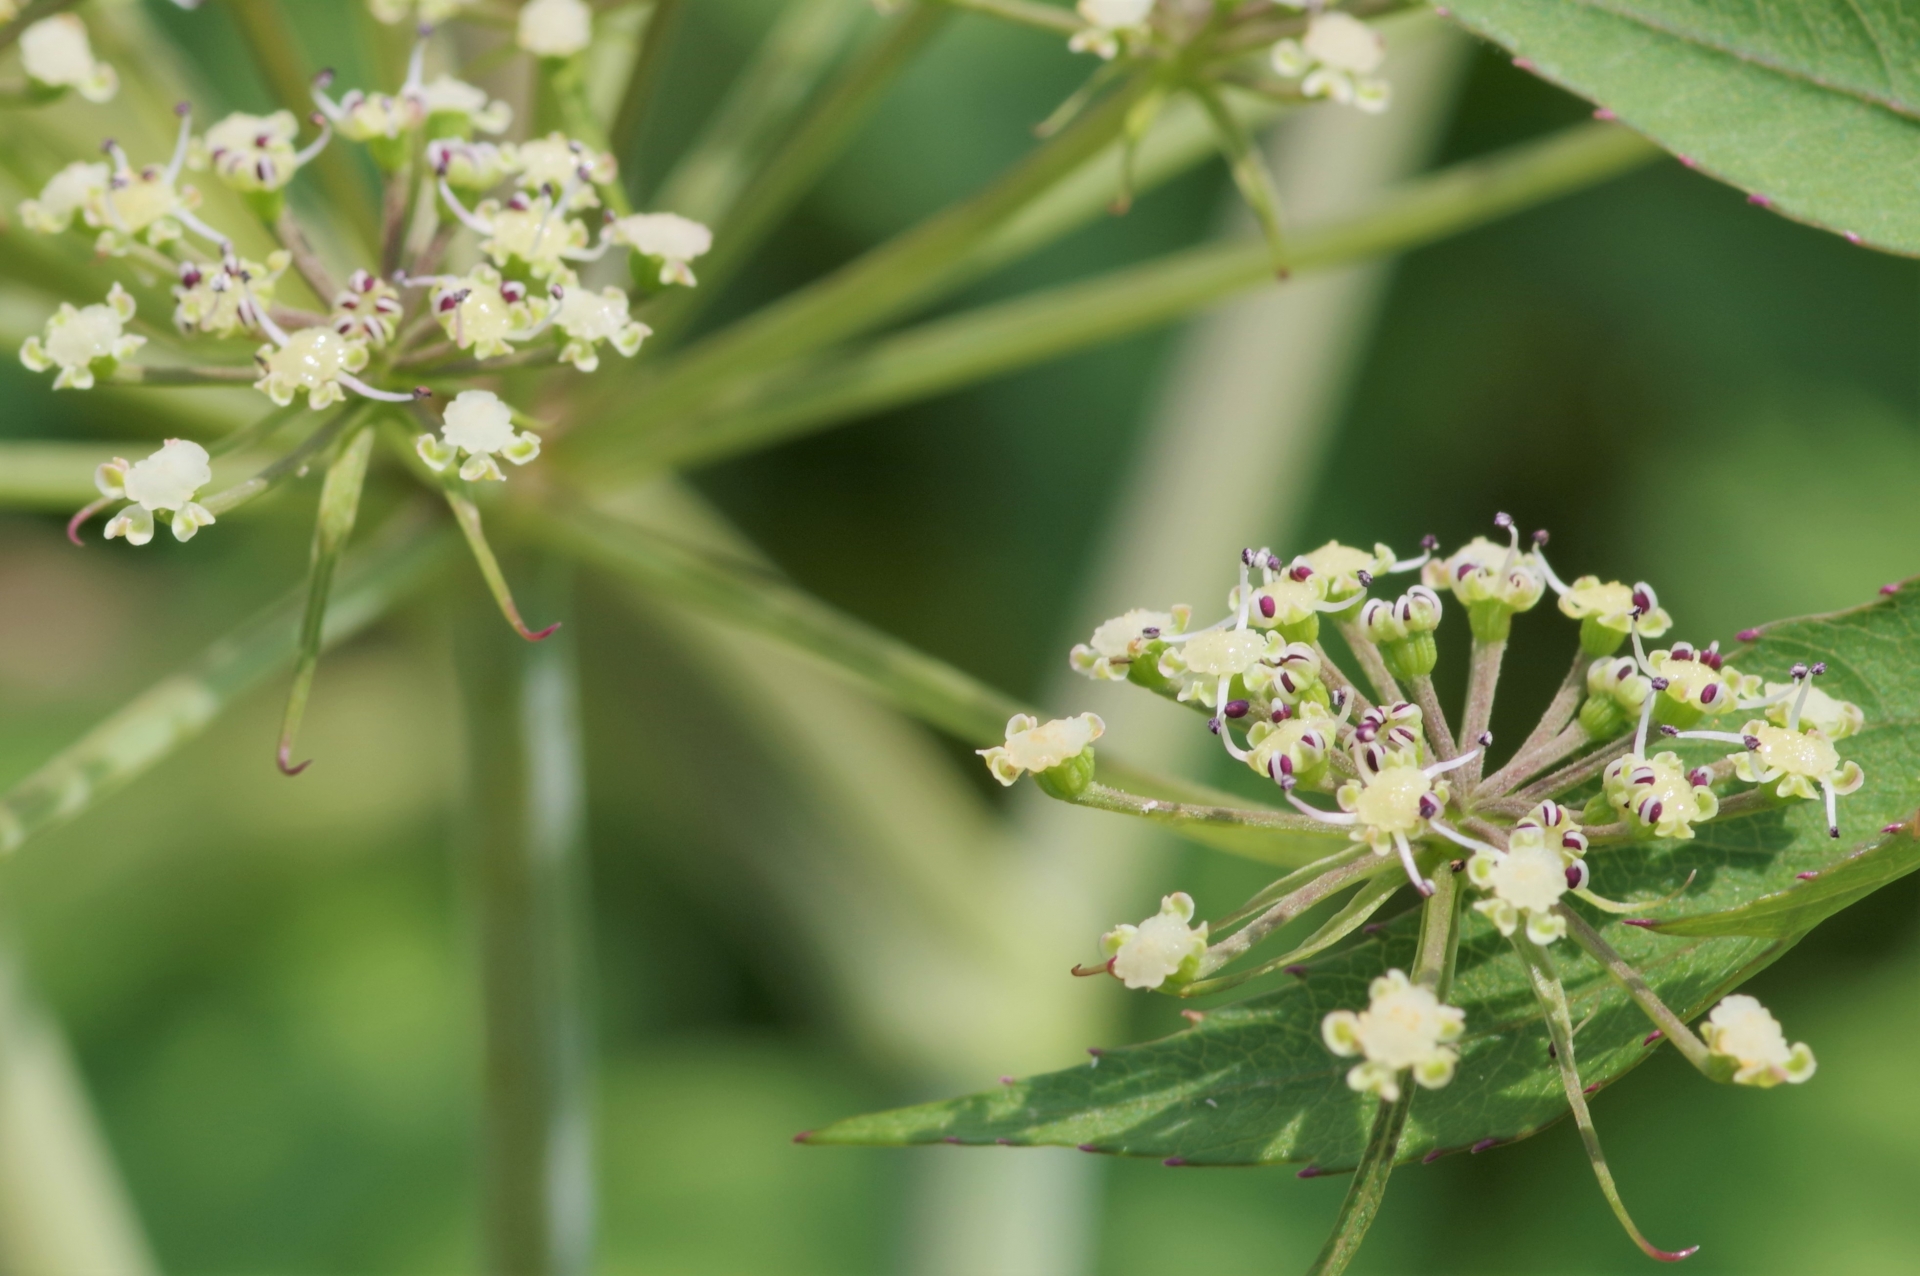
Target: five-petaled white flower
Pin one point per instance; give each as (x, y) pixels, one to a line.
(1525, 881)
(255, 153)
(1117, 642)
(225, 299)
(368, 309)
(1337, 57)
(1660, 795)
(55, 53)
(1608, 612)
(667, 241)
(484, 313)
(1740, 1029)
(317, 360)
(80, 341)
(1033, 745)
(1161, 949)
(1804, 764)
(588, 318)
(480, 425)
(555, 28)
(167, 480)
(1405, 1026)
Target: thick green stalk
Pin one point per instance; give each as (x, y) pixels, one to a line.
(1362, 906)
(1249, 169)
(339, 507)
(1103, 797)
(945, 354)
(177, 708)
(752, 211)
(881, 285)
(1622, 972)
(1439, 938)
(525, 849)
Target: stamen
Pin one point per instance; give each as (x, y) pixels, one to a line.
(361, 388)
(467, 219)
(1246, 592)
(1420, 883)
(1441, 768)
(1833, 814)
(1325, 817)
(180, 142)
(1461, 839)
(1804, 677)
(1724, 737)
(302, 158)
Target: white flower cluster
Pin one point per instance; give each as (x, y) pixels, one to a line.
(532, 204)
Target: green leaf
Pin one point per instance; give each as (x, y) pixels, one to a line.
(1252, 1083)
(1808, 105)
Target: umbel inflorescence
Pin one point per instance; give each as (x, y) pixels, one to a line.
(491, 254)
(1411, 792)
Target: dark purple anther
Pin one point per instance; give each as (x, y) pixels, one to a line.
(1430, 543)
(1503, 521)
(1540, 537)
(1833, 830)
(1463, 571)
(1281, 713)
(1484, 1144)
(1798, 672)
(1659, 684)
(1286, 763)
(1428, 807)
(1574, 842)
(1236, 709)
(1747, 635)
(1651, 1037)
(1300, 571)
(1213, 725)
(1577, 876)
(1751, 741)
(1486, 739)
(1709, 693)
(1365, 578)
(1273, 562)
(1246, 556)
(1819, 668)
(1669, 731)
(1151, 631)
(1700, 778)
(1267, 606)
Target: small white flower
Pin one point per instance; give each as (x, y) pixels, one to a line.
(1035, 746)
(314, 360)
(76, 341)
(226, 300)
(483, 312)
(532, 231)
(1526, 880)
(1612, 606)
(555, 28)
(167, 480)
(480, 425)
(462, 104)
(1337, 58)
(556, 163)
(666, 238)
(55, 52)
(254, 152)
(470, 166)
(368, 309)
(1836, 719)
(1394, 803)
(1159, 949)
(1202, 662)
(1660, 795)
(1110, 25)
(1105, 656)
(67, 193)
(1405, 1026)
(1740, 1029)
(589, 318)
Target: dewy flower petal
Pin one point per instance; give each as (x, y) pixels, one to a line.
(1405, 1026)
(1525, 881)
(555, 28)
(1160, 950)
(167, 480)
(588, 318)
(1659, 795)
(55, 52)
(1035, 746)
(312, 360)
(1117, 642)
(1741, 1030)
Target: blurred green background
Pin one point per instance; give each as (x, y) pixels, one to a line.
(268, 985)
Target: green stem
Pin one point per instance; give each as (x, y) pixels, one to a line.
(1102, 797)
(524, 836)
(1249, 171)
(467, 514)
(1670, 1024)
(1371, 663)
(1364, 904)
(155, 377)
(1552, 996)
(1560, 711)
(1433, 967)
(1483, 679)
(339, 507)
(884, 283)
(239, 494)
(1439, 734)
(1292, 882)
(1555, 783)
(804, 395)
(744, 223)
(177, 708)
